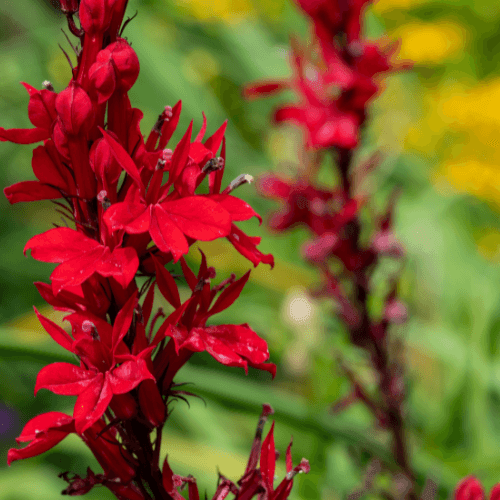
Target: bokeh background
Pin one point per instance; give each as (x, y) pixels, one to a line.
(437, 127)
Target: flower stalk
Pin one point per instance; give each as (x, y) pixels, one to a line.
(133, 207)
(335, 77)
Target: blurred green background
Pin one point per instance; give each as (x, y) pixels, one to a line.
(437, 127)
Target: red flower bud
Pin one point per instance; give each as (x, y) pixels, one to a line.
(116, 67)
(151, 403)
(469, 489)
(75, 110)
(124, 406)
(95, 15)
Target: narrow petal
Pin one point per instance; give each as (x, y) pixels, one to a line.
(24, 135)
(64, 378)
(268, 461)
(30, 191)
(56, 332)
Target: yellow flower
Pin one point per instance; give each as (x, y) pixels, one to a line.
(229, 11)
(430, 43)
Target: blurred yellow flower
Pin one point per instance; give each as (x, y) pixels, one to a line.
(229, 11)
(467, 109)
(472, 176)
(430, 43)
(383, 6)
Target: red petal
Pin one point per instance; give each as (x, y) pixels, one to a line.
(229, 295)
(45, 170)
(289, 113)
(274, 187)
(268, 461)
(24, 135)
(131, 216)
(56, 332)
(191, 278)
(128, 376)
(123, 158)
(180, 156)
(165, 233)
(122, 264)
(75, 271)
(44, 431)
(30, 191)
(213, 142)
(92, 403)
(42, 108)
(64, 378)
(123, 320)
(169, 126)
(44, 423)
(247, 246)
(167, 285)
(60, 245)
(199, 217)
(255, 90)
(238, 209)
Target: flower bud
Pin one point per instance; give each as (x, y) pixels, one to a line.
(95, 15)
(116, 67)
(75, 110)
(469, 488)
(151, 403)
(124, 406)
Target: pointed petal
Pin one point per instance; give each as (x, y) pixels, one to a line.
(213, 142)
(123, 158)
(123, 320)
(263, 89)
(180, 156)
(247, 246)
(167, 285)
(44, 431)
(56, 332)
(169, 126)
(268, 461)
(229, 295)
(24, 135)
(30, 191)
(64, 378)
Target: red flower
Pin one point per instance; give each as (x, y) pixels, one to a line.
(98, 379)
(80, 257)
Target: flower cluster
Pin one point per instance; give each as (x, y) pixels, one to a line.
(133, 206)
(335, 77)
